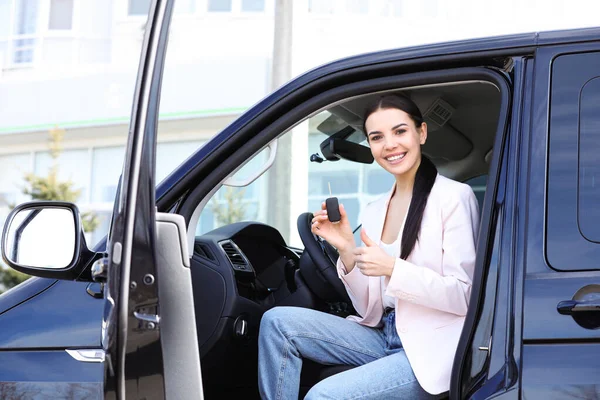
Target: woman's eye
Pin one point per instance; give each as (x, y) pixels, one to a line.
(400, 131)
(375, 137)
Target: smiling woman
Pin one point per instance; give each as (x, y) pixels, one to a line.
(427, 283)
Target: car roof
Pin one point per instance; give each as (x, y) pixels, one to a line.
(515, 41)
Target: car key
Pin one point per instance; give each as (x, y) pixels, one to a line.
(333, 208)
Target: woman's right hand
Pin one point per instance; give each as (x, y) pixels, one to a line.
(339, 235)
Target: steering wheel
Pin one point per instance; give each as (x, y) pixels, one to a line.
(320, 274)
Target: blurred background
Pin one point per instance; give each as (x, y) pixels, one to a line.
(68, 69)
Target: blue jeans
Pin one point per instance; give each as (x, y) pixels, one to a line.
(289, 334)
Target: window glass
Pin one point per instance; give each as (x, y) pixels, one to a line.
(5, 18)
(392, 8)
(430, 8)
(354, 184)
(589, 166)
(103, 218)
(26, 13)
(14, 167)
(219, 5)
(253, 5)
(478, 184)
(138, 7)
(572, 194)
(61, 14)
(321, 6)
(107, 165)
(357, 6)
(170, 155)
(185, 6)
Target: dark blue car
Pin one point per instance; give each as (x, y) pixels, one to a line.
(164, 308)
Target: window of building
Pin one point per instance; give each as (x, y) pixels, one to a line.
(107, 164)
(430, 8)
(72, 166)
(253, 5)
(321, 6)
(5, 6)
(25, 28)
(61, 14)
(357, 6)
(392, 8)
(219, 5)
(138, 7)
(185, 6)
(170, 155)
(14, 167)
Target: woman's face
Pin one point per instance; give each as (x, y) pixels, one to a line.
(395, 141)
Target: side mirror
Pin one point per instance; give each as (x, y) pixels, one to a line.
(45, 238)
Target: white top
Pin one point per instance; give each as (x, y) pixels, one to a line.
(394, 251)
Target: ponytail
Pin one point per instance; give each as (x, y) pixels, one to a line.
(424, 180)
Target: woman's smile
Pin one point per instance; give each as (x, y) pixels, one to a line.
(395, 158)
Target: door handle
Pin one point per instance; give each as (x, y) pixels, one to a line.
(568, 307)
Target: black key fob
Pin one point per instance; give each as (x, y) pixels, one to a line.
(333, 209)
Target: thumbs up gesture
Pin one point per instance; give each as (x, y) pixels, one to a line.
(371, 259)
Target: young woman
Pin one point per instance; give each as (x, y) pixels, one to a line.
(410, 282)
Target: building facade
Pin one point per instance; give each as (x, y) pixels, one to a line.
(71, 65)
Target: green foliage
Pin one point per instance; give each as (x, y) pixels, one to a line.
(9, 278)
(51, 188)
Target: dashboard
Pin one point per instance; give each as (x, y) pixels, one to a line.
(239, 271)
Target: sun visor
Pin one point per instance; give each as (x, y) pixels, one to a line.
(447, 143)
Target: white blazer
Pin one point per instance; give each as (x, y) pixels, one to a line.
(431, 288)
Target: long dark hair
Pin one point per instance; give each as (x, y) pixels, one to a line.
(424, 178)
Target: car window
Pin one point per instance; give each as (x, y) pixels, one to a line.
(478, 184)
(354, 184)
(572, 195)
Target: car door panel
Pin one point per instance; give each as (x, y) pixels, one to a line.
(49, 374)
(559, 357)
(69, 315)
(542, 320)
(561, 371)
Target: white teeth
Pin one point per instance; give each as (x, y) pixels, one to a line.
(394, 158)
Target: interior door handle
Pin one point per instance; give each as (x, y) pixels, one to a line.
(568, 307)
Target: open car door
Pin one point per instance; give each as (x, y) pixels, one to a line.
(149, 331)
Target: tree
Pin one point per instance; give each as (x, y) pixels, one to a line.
(10, 277)
(231, 208)
(51, 188)
(48, 187)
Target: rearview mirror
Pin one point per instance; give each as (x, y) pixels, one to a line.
(43, 239)
(334, 149)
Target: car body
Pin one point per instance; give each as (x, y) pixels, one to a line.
(111, 324)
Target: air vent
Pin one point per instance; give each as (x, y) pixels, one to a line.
(438, 114)
(235, 256)
(203, 251)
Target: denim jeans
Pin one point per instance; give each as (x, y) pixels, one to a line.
(289, 334)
